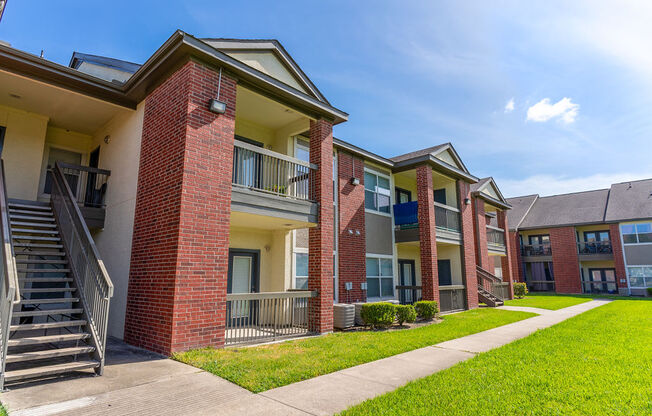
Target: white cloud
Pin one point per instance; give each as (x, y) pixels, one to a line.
(545, 185)
(509, 107)
(564, 109)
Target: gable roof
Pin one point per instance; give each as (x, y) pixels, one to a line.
(443, 156)
(568, 209)
(487, 189)
(630, 201)
(521, 206)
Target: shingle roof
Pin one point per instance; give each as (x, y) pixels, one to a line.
(520, 207)
(576, 208)
(630, 201)
(418, 153)
(478, 185)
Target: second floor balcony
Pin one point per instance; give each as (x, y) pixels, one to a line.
(536, 250)
(496, 239)
(406, 221)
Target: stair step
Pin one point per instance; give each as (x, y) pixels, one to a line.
(48, 339)
(48, 325)
(48, 290)
(37, 245)
(33, 224)
(45, 279)
(38, 355)
(47, 312)
(50, 370)
(34, 238)
(41, 253)
(30, 207)
(47, 301)
(32, 231)
(32, 216)
(40, 261)
(43, 270)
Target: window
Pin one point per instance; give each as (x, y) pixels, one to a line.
(380, 277)
(636, 233)
(301, 271)
(640, 277)
(403, 196)
(440, 196)
(302, 150)
(376, 192)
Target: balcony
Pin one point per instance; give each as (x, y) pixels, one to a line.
(272, 184)
(89, 186)
(595, 250)
(496, 240)
(406, 221)
(536, 252)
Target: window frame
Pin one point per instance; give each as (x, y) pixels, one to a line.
(392, 261)
(389, 194)
(636, 233)
(628, 272)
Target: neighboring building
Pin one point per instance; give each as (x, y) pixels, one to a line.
(586, 242)
(207, 184)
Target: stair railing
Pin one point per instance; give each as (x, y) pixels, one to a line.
(9, 290)
(489, 282)
(93, 283)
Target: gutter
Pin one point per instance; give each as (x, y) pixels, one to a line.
(433, 161)
(490, 200)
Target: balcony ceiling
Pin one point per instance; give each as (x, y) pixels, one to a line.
(264, 111)
(66, 109)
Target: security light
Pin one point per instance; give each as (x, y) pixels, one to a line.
(218, 107)
(355, 181)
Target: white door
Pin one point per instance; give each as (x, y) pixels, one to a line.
(241, 283)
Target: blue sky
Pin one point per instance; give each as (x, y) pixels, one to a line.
(413, 74)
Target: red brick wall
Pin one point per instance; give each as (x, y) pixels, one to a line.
(351, 237)
(565, 261)
(468, 248)
(481, 250)
(320, 246)
(427, 236)
(506, 261)
(515, 256)
(179, 259)
(619, 261)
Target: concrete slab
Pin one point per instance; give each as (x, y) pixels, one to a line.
(540, 311)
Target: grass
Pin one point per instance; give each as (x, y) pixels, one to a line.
(597, 363)
(3, 411)
(265, 367)
(551, 302)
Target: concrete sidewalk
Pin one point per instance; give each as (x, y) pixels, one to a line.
(140, 383)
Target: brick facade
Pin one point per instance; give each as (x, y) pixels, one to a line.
(351, 237)
(480, 224)
(566, 267)
(321, 237)
(468, 245)
(619, 260)
(179, 260)
(515, 256)
(506, 261)
(427, 236)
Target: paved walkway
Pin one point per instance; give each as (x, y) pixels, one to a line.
(136, 383)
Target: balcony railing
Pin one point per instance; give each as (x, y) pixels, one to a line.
(407, 295)
(447, 217)
(595, 247)
(261, 317)
(87, 184)
(265, 171)
(406, 215)
(604, 286)
(495, 237)
(536, 250)
(540, 285)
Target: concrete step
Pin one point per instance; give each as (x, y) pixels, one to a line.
(47, 301)
(33, 224)
(40, 261)
(29, 207)
(45, 279)
(38, 245)
(43, 270)
(48, 339)
(32, 217)
(48, 325)
(41, 253)
(69, 311)
(50, 370)
(34, 238)
(39, 355)
(48, 290)
(32, 231)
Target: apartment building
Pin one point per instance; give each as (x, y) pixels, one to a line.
(200, 199)
(587, 242)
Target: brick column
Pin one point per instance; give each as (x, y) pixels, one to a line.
(179, 258)
(468, 245)
(506, 261)
(515, 256)
(427, 236)
(619, 261)
(565, 260)
(480, 224)
(320, 245)
(351, 240)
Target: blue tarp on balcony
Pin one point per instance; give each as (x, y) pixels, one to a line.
(407, 213)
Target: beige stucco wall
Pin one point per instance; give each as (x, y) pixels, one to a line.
(23, 151)
(267, 63)
(122, 157)
(409, 252)
(452, 253)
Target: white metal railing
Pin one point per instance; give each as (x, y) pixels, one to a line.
(447, 217)
(274, 173)
(9, 290)
(496, 237)
(260, 317)
(93, 282)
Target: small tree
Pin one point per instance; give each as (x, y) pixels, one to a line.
(405, 313)
(520, 290)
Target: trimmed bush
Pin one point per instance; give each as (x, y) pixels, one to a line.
(405, 313)
(426, 309)
(520, 290)
(649, 291)
(378, 314)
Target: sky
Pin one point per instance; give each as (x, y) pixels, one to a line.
(547, 97)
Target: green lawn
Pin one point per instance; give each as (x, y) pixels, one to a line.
(597, 363)
(552, 302)
(269, 366)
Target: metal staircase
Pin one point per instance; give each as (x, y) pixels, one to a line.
(487, 291)
(58, 315)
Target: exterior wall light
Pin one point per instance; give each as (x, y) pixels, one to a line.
(467, 201)
(216, 106)
(355, 181)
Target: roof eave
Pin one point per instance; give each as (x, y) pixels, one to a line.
(491, 200)
(362, 153)
(439, 165)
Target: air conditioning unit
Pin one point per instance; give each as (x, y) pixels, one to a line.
(343, 315)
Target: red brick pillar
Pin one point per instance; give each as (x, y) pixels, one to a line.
(619, 261)
(351, 240)
(565, 260)
(320, 246)
(468, 245)
(179, 257)
(480, 224)
(506, 261)
(515, 256)
(427, 236)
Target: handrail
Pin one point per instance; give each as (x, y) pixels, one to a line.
(489, 282)
(271, 295)
(271, 153)
(89, 185)
(10, 293)
(93, 283)
(88, 169)
(448, 207)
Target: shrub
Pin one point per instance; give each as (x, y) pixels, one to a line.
(379, 314)
(426, 309)
(649, 291)
(520, 290)
(405, 313)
